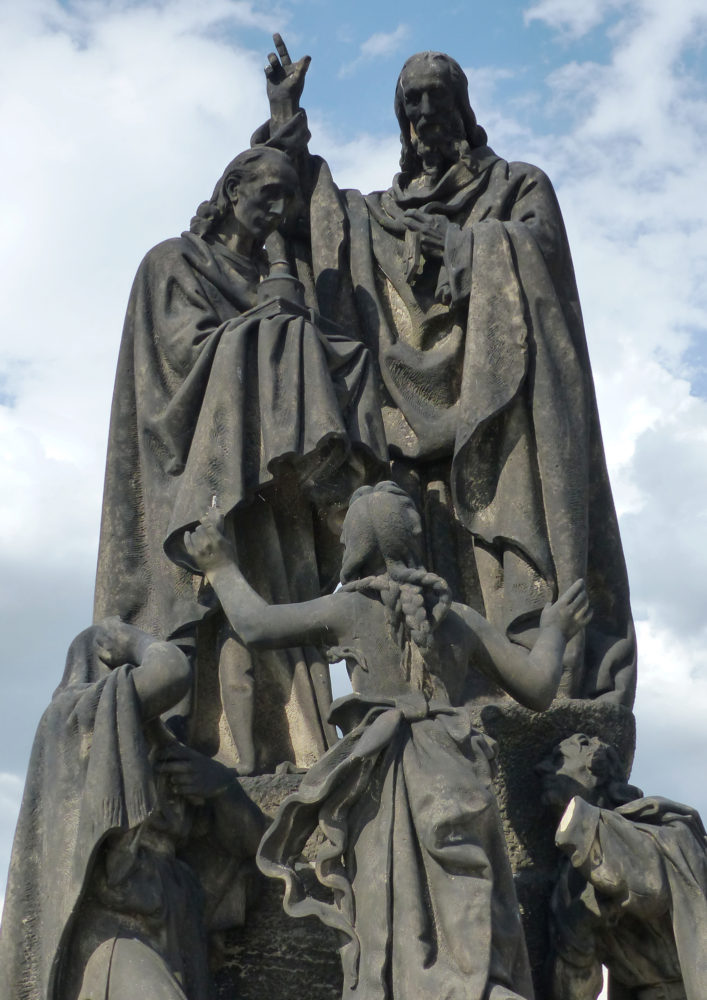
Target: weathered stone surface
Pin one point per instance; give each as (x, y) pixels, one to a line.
(275, 956)
(631, 887)
(276, 952)
(524, 739)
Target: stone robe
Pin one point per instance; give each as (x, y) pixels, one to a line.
(412, 855)
(632, 895)
(216, 397)
(487, 391)
(99, 890)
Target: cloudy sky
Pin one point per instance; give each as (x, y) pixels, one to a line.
(116, 119)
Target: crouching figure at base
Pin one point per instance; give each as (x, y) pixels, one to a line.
(631, 893)
(130, 847)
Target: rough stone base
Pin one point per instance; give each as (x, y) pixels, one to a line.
(277, 958)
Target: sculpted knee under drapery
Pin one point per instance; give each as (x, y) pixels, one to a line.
(459, 279)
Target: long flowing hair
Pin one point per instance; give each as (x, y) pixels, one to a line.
(243, 167)
(472, 134)
(379, 522)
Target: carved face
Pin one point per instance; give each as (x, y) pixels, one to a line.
(567, 772)
(429, 102)
(259, 202)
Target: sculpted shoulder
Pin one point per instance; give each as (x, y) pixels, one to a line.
(171, 252)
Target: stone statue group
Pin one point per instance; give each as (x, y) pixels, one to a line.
(357, 428)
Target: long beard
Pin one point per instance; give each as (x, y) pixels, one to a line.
(439, 149)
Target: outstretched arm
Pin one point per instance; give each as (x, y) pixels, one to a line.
(162, 674)
(257, 623)
(532, 678)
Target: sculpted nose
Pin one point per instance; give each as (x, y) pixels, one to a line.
(278, 207)
(425, 104)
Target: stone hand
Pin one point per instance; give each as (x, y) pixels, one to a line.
(207, 546)
(191, 774)
(570, 612)
(116, 642)
(432, 229)
(285, 81)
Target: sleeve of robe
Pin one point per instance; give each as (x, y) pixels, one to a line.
(648, 858)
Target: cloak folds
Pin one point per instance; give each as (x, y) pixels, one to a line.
(88, 776)
(87, 879)
(413, 856)
(211, 400)
(645, 866)
(487, 394)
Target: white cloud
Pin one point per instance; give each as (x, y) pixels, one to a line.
(118, 118)
(571, 18)
(384, 43)
(377, 46)
(103, 122)
(630, 178)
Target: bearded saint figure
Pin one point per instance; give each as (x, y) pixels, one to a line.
(459, 280)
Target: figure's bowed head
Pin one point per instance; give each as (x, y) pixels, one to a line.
(162, 674)
(587, 767)
(250, 200)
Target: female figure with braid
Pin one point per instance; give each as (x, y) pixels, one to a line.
(413, 851)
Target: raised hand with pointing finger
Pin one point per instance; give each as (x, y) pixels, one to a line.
(285, 82)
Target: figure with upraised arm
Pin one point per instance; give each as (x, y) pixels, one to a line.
(413, 850)
(228, 386)
(459, 280)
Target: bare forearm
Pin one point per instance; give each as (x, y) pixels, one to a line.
(532, 677)
(545, 665)
(242, 606)
(269, 626)
(162, 679)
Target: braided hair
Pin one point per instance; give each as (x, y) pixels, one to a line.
(379, 522)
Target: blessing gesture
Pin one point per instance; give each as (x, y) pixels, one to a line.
(285, 81)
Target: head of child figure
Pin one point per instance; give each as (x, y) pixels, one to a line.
(381, 531)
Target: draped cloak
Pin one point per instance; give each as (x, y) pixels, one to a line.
(488, 397)
(638, 900)
(89, 777)
(412, 854)
(217, 398)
